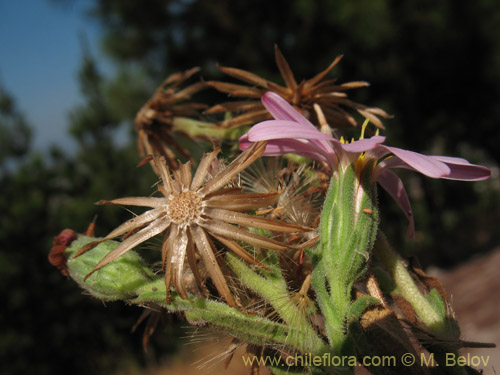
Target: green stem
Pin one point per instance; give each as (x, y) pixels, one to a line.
(347, 231)
(423, 308)
(334, 306)
(130, 280)
(196, 128)
(250, 328)
(406, 285)
(274, 290)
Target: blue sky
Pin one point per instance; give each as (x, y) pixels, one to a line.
(40, 52)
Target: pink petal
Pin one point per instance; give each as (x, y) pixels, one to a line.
(280, 129)
(450, 159)
(391, 183)
(291, 137)
(277, 147)
(280, 109)
(244, 142)
(461, 169)
(424, 164)
(363, 145)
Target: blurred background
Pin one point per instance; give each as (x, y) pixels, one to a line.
(74, 73)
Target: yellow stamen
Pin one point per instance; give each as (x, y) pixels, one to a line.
(359, 165)
(363, 128)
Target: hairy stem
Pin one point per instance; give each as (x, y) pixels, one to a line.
(274, 290)
(406, 285)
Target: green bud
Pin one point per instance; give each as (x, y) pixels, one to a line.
(119, 280)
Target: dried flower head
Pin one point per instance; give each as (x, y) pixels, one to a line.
(329, 95)
(154, 121)
(192, 212)
(299, 200)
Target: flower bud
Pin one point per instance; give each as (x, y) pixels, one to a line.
(119, 280)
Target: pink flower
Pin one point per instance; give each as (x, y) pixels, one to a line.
(291, 132)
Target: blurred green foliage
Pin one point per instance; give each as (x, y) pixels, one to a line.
(15, 133)
(434, 65)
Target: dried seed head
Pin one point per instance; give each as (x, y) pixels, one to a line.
(154, 121)
(193, 212)
(184, 208)
(329, 95)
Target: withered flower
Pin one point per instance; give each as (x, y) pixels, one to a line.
(154, 121)
(299, 200)
(192, 212)
(330, 96)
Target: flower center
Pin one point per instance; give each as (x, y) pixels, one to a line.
(185, 207)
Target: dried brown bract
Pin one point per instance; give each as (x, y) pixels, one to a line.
(329, 95)
(154, 120)
(59, 244)
(193, 211)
